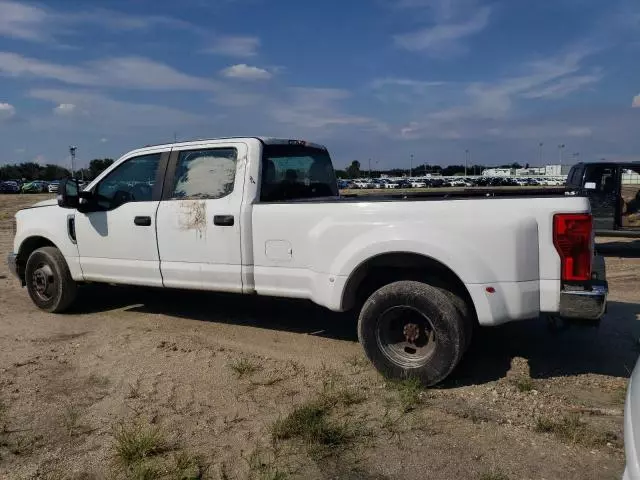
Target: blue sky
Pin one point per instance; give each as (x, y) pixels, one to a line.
(379, 79)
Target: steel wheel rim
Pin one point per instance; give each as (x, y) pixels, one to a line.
(43, 281)
(406, 336)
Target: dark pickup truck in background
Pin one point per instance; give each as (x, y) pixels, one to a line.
(614, 193)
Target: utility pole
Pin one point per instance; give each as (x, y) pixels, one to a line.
(369, 168)
(540, 145)
(466, 161)
(560, 148)
(72, 151)
(411, 165)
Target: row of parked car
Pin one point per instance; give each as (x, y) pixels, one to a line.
(440, 182)
(36, 186)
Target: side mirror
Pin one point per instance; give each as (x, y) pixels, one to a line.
(69, 193)
(590, 185)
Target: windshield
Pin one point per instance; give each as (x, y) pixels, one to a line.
(291, 172)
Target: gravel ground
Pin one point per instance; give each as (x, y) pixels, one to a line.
(142, 383)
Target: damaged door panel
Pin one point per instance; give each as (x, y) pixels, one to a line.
(202, 185)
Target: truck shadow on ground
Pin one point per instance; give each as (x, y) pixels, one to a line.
(610, 349)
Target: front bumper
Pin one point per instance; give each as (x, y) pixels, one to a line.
(12, 262)
(587, 304)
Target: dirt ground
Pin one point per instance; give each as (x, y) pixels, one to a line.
(143, 383)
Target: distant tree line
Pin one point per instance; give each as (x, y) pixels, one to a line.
(34, 171)
(355, 170)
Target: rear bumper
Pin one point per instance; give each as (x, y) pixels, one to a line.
(12, 263)
(588, 304)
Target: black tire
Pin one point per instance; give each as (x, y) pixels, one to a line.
(465, 312)
(411, 329)
(49, 281)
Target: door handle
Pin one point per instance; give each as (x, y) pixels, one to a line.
(142, 221)
(223, 220)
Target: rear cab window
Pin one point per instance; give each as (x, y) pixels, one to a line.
(295, 172)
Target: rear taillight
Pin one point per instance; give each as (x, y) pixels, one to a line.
(573, 241)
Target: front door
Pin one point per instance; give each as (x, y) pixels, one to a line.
(117, 243)
(198, 219)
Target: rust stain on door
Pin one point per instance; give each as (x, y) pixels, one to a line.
(193, 216)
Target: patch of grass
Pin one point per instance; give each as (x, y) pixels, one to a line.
(310, 423)
(493, 475)
(570, 429)
(409, 391)
(98, 380)
(244, 367)
(523, 384)
(331, 379)
(143, 471)
(134, 443)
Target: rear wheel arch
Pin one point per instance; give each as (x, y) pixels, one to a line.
(386, 268)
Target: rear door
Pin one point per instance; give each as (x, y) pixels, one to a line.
(198, 220)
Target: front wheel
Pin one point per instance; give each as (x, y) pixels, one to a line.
(412, 329)
(49, 281)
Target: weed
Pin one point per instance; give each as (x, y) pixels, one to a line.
(134, 443)
(188, 467)
(134, 389)
(619, 396)
(330, 379)
(523, 384)
(244, 367)
(263, 465)
(409, 391)
(493, 475)
(98, 380)
(357, 362)
(345, 397)
(269, 381)
(70, 418)
(309, 422)
(571, 429)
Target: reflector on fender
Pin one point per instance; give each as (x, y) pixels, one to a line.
(572, 239)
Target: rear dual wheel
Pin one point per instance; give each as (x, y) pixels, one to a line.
(411, 329)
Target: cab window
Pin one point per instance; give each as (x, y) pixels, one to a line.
(131, 181)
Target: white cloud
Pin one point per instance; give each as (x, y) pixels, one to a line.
(22, 21)
(29, 22)
(635, 103)
(234, 46)
(123, 72)
(246, 72)
(106, 114)
(445, 38)
(579, 132)
(564, 86)
(64, 109)
(104, 140)
(314, 108)
(7, 111)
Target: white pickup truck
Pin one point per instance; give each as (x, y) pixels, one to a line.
(264, 216)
